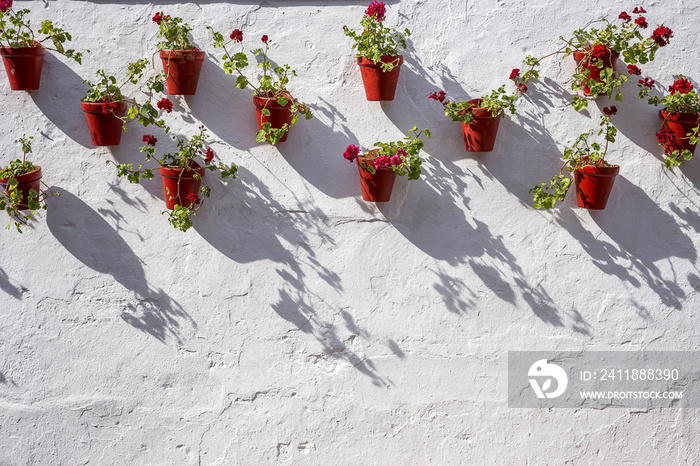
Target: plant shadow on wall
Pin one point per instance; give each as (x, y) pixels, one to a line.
(93, 241)
(691, 223)
(641, 235)
(59, 80)
(256, 227)
(8, 287)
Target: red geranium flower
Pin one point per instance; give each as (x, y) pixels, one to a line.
(5, 5)
(682, 86)
(352, 152)
(149, 139)
(109, 107)
(382, 161)
(647, 82)
(237, 35)
(264, 38)
(600, 51)
(610, 111)
(639, 10)
(624, 16)
(661, 35)
(665, 135)
(641, 22)
(193, 197)
(522, 88)
(210, 155)
(159, 18)
(514, 74)
(376, 10)
(634, 69)
(439, 96)
(165, 104)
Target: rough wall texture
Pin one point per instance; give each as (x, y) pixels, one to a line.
(296, 323)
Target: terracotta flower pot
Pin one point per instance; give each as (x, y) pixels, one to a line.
(179, 183)
(380, 85)
(593, 185)
(279, 115)
(681, 124)
(377, 187)
(582, 63)
(182, 68)
(480, 134)
(105, 128)
(25, 183)
(23, 66)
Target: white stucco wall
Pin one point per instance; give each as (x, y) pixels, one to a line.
(296, 323)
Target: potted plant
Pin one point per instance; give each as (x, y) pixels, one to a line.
(593, 176)
(23, 52)
(481, 117)
(21, 184)
(276, 110)
(181, 175)
(105, 107)
(182, 61)
(596, 51)
(680, 121)
(377, 54)
(378, 167)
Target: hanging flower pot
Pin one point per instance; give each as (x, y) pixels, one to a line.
(593, 185)
(680, 124)
(178, 184)
(182, 68)
(25, 183)
(104, 125)
(279, 114)
(480, 134)
(380, 85)
(583, 62)
(376, 187)
(23, 66)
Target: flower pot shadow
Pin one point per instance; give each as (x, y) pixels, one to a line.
(314, 150)
(640, 235)
(227, 111)
(88, 237)
(437, 218)
(58, 79)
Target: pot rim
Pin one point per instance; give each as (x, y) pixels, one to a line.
(37, 168)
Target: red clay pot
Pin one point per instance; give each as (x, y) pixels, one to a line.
(377, 187)
(480, 134)
(23, 66)
(593, 185)
(380, 85)
(179, 183)
(609, 61)
(279, 115)
(105, 128)
(681, 124)
(182, 68)
(25, 183)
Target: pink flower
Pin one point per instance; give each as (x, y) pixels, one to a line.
(382, 161)
(634, 69)
(149, 139)
(165, 104)
(665, 135)
(5, 5)
(624, 16)
(109, 107)
(264, 38)
(641, 22)
(522, 88)
(661, 35)
(639, 10)
(210, 155)
(237, 35)
(682, 86)
(396, 160)
(159, 18)
(377, 10)
(352, 152)
(439, 96)
(193, 197)
(514, 74)
(610, 111)
(647, 82)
